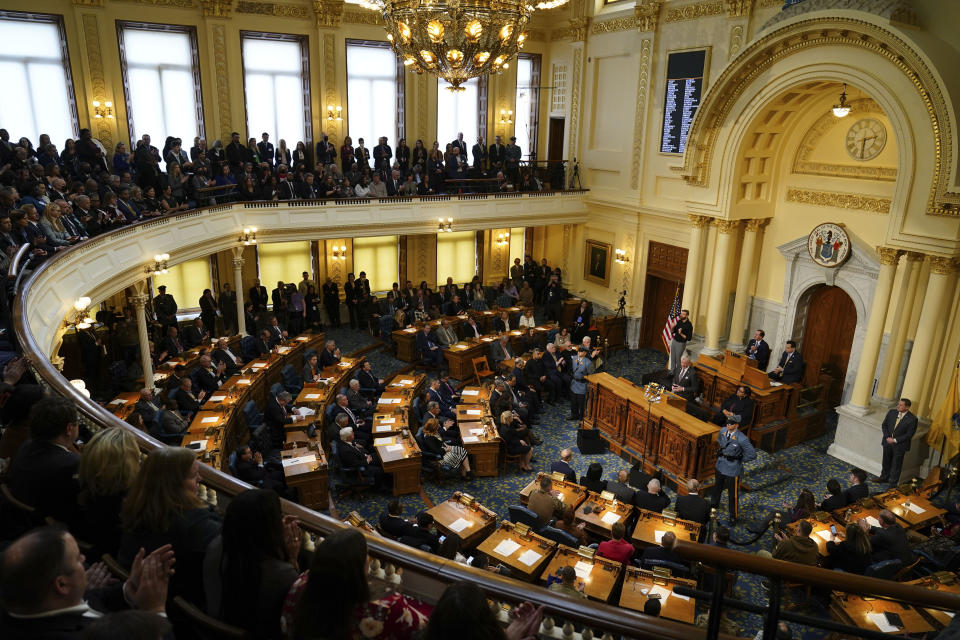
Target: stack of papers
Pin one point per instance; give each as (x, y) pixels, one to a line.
(881, 621)
(664, 594)
(474, 412)
(118, 401)
(395, 447)
(209, 420)
(506, 548)
(658, 536)
(471, 439)
(476, 432)
(872, 521)
(583, 569)
(381, 442)
(306, 411)
(529, 557)
(914, 508)
(383, 427)
(217, 398)
(825, 534)
(459, 525)
(243, 381)
(471, 392)
(388, 420)
(313, 396)
(289, 462)
(610, 517)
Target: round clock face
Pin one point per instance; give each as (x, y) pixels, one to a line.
(866, 139)
(829, 245)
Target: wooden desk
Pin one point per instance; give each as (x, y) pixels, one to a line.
(388, 424)
(411, 384)
(637, 585)
(851, 513)
(472, 523)
(470, 413)
(570, 493)
(856, 611)
(939, 618)
(896, 502)
(393, 400)
(313, 396)
(306, 469)
(598, 575)
(474, 395)
(406, 341)
(820, 534)
(460, 355)
(600, 509)
(122, 405)
(651, 526)
(400, 458)
(527, 555)
(483, 443)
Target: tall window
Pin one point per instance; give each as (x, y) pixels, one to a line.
(456, 256)
(458, 112)
(37, 94)
(276, 80)
(374, 92)
(379, 257)
(282, 261)
(161, 81)
(186, 282)
(527, 110)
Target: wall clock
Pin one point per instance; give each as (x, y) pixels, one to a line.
(866, 139)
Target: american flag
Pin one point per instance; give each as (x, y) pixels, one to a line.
(667, 334)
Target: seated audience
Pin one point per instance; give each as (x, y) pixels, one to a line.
(544, 502)
(692, 506)
(464, 613)
(858, 488)
(799, 548)
(621, 488)
(662, 552)
(653, 499)
(849, 552)
(889, 540)
(563, 466)
(835, 499)
(567, 524)
(454, 457)
(568, 583)
(592, 479)
(517, 443)
(250, 468)
(617, 547)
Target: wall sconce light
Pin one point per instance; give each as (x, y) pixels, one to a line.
(506, 116)
(334, 112)
(159, 264)
(621, 257)
(104, 110)
(842, 109)
(249, 236)
(503, 239)
(339, 253)
(80, 316)
(445, 225)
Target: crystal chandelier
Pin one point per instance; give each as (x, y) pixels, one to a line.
(457, 39)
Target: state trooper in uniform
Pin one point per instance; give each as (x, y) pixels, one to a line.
(733, 449)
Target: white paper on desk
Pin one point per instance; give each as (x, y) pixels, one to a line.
(583, 569)
(283, 349)
(159, 376)
(306, 411)
(872, 521)
(326, 380)
(949, 613)
(395, 447)
(388, 421)
(677, 595)
(459, 525)
(312, 396)
(474, 412)
(345, 364)
(243, 381)
(825, 534)
(506, 548)
(257, 367)
(915, 508)
(202, 445)
(881, 621)
(610, 517)
(383, 427)
(389, 401)
(775, 384)
(476, 432)
(658, 536)
(380, 442)
(471, 439)
(289, 462)
(405, 381)
(410, 330)
(664, 594)
(529, 557)
(470, 392)
(487, 339)
(207, 420)
(217, 398)
(118, 401)
(459, 347)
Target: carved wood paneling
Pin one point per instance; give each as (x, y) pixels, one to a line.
(666, 260)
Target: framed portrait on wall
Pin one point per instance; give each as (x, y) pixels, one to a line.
(596, 262)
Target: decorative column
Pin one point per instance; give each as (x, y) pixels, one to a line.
(901, 324)
(238, 263)
(747, 258)
(863, 385)
(929, 332)
(719, 294)
(691, 281)
(139, 302)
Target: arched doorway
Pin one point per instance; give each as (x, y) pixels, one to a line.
(827, 319)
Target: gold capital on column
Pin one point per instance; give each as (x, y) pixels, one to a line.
(216, 8)
(889, 256)
(943, 266)
(329, 13)
(728, 226)
(914, 256)
(238, 263)
(139, 301)
(700, 221)
(755, 224)
(647, 13)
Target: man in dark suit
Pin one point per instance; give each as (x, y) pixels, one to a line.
(187, 401)
(43, 472)
(369, 380)
(362, 155)
(330, 354)
(258, 296)
(260, 347)
(664, 551)
(147, 407)
(653, 499)
(223, 355)
(563, 466)
(392, 182)
(471, 329)
(356, 422)
(498, 154)
(858, 488)
(889, 540)
(790, 367)
(265, 149)
(479, 153)
(429, 350)
(394, 525)
(208, 377)
(170, 347)
(277, 413)
(382, 154)
(898, 428)
(759, 350)
(684, 379)
(165, 307)
(353, 455)
(236, 153)
(621, 488)
(739, 404)
(834, 499)
(251, 469)
(692, 506)
(277, 334)
(195, 334)
(500, 350)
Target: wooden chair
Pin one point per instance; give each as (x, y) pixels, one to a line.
(206, 626)
(481, 369)
(791, 588)
(904, 573)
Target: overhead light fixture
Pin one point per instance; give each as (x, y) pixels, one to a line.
(506, 116)
(334, 112)
(842, 109)
(80, 317)
(503, 239)
(104, 110)
(248, 236)
(339, 253)
(159, 265)
(621, 257)
(445, 225)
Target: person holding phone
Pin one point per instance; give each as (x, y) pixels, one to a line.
(849, 551)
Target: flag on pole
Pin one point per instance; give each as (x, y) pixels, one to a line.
(945, 428)
(672, 316)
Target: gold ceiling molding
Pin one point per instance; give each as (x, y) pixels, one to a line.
(766, 4)
(575, 30)
(852, 171)
(360, 16)
(643, 83)
(277, 9)
(98, 82)
(854, 201)
(87, 3)
(219, 33)
(177, 4)
(694, 11)
(612, 26)
(540, 35)
(328, 13)
(738, 8)
(216, 8)
(576, 81)
(647, 13)
(329, 73)
(818, 32)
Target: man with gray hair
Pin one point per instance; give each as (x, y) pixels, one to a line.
(277, 414)
(354, 456)
(357, 403)
(692, 506)
(653, 499)
(330, 354)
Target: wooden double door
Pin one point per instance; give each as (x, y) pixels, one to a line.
(831, 320)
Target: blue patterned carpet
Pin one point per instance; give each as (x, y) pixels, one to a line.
(775, 479)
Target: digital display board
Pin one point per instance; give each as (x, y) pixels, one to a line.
(681, 97)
